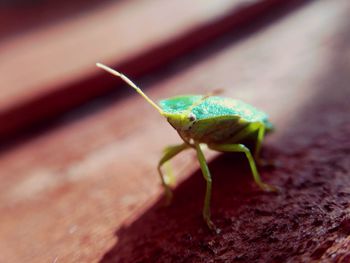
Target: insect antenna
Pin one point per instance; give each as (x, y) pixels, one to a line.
(131, 84)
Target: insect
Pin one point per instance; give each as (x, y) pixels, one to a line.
(221, 123)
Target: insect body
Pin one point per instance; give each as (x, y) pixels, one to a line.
(223, 124)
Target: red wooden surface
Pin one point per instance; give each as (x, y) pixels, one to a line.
(87, 191)
(43, 81)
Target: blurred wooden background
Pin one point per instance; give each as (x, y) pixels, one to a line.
(79, 149)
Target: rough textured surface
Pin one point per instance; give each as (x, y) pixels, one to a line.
(308, 220)
(85, 190)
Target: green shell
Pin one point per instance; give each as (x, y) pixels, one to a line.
(179, 103)
(218, 119)
(213, 107)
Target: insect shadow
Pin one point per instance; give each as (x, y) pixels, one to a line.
(181, 222)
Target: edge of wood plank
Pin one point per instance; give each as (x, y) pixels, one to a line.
(33, 113)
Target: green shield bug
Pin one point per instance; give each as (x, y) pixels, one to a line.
(221, 123)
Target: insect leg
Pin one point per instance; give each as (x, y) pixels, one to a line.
(169, 152)
(248, 129)
(207, 177)
(253, 127)
(244, 149)
(261, 133)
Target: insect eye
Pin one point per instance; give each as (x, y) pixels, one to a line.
(192, 117)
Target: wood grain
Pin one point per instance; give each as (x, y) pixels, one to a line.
(87, 190)
(42, 81)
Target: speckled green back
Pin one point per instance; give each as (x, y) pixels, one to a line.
(213, 107)
(218, 119)
(179, 103)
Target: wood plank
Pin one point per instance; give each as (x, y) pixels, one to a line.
(38, 14)
(87, 191)
(40, 82)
